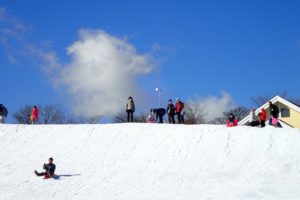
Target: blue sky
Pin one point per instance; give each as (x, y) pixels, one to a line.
(195, 50)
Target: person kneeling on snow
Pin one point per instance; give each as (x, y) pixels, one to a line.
(231, 121)
(253, 118)
(49, 169)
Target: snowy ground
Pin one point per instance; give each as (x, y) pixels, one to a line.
(150, 162)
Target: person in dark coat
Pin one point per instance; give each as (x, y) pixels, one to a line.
(49, 169)
(130, 108)
(159, 113)
(171, 112)
(274, 112)
(3, 113)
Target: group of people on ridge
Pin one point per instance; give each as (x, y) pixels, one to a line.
(156, 114)
(259, 120)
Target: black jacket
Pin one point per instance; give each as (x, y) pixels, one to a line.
(50, 167)
(274, 111)
(159, 111)
(171, 109)
(3, 110)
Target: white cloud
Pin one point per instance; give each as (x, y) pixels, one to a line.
(214, 107)
(102, 73)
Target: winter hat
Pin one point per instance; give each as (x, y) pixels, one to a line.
(177, 99)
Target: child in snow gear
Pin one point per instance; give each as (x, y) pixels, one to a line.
(171, 112)
(3, 114)
(49, 169)
(159, 113)
(130, 108)
(34, 117)
(231, 121)
(179, 106)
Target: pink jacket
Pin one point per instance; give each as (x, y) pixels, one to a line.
(230, 124)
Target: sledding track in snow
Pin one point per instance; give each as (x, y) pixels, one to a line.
(150, 162)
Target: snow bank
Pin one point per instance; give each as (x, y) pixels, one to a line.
(150, 162)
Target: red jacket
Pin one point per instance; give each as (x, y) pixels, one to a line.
(179, 107)
(263, 115)
(35, 113)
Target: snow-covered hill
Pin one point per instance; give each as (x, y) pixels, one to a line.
(150, 162)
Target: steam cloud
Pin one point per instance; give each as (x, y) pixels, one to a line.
(213, 107)
(102, 73)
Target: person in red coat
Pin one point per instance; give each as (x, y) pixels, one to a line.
(179, 106)
(34, 115)
(262, 117)
(231, 121)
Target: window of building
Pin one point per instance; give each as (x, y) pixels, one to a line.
(285, 112)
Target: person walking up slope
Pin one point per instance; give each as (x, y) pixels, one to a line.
(130, 108)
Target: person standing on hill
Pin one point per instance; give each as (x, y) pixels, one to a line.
(49, 169)
(3, 113)
(171, 112)
(34, 117)
(179, 106)
(274, 111)
(130, 108)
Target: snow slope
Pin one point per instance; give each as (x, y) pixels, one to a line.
(150, 162)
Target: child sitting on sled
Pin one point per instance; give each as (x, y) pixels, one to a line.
(49, 169)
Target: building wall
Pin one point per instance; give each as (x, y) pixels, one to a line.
(293, 120)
